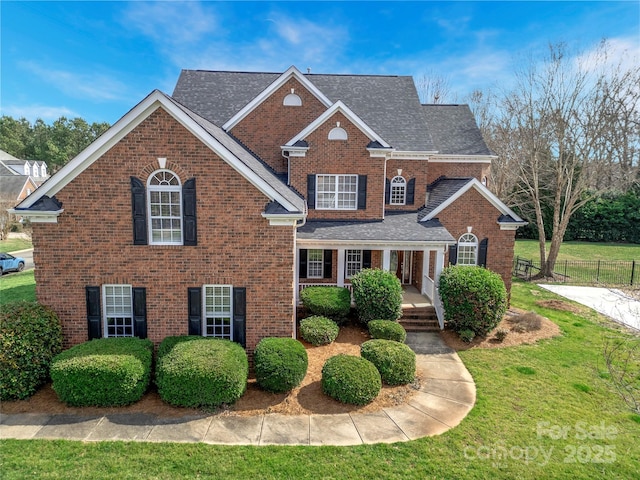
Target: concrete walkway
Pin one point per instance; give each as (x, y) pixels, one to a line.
(447, 394)
(608, 301)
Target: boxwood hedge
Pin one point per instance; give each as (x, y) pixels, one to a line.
(103, 372)
(387, 330)
(280, 364)
(319, 330)
(351, 379)
(332, 302)
(395, 361)
(377, 295)
(30, 336)
(201, 372)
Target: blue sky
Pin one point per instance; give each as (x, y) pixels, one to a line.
(97, 60)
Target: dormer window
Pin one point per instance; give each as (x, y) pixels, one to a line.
(398, 190)
(36, 172)
(292, 100)
(338, 133)
(27, 169)
(43, 170)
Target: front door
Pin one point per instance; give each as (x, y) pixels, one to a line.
(402, 264)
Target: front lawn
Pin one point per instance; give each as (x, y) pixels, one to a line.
(542, 411)
(15, 244)
(530, 250)
(17, 286)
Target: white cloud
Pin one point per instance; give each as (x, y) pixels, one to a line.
(620, 52)
(33, 112)
(92, 86)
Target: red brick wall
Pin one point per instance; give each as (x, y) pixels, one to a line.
(272, 124)
(341, 157)
(92, 245)
(473, 210)
(477, 170)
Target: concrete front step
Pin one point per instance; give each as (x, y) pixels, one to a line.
(422, 319)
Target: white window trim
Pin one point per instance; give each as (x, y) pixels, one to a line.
(164, 188)
(398, 185)
(347, 262)
(215, 315)
(466, 243)
(321, 262)
(105, 314)
(336, 191)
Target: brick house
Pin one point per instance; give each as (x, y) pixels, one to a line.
(207, 211)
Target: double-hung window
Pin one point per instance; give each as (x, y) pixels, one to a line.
(353, 262)
(165, 208)
(218, 311)
(118, 310)
(337, 192)
(468, 249)
(315, 263)
(398, 191)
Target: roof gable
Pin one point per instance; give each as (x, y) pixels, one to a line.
(210, 135)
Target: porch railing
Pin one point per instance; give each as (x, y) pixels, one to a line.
(431, 290)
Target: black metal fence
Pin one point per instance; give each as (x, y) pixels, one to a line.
(584, 272)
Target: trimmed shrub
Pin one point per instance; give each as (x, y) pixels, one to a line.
(319, 330)
(329, 301)
(466, 335)
(351, 379)
(501, 334)
(395, 361)
(280, 364)
(377, 295)
(387, 330)
(473, 298)
(30, 336)
(201, 371)
(104, 372)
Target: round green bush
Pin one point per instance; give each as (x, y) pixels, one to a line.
(319, 330)
(351, 379)
(30, 336)
(377, 295)
(387, 330)
(331, 302)
(103, 372)
(201, 372)
(395, 361)
(473, 298)
(280, 364)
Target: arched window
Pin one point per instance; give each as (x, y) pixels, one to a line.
(468, 249)
(292, 100)
(165, 208)
(338, 133)
(398, 191)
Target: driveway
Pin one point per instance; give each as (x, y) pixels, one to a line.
(608, 301)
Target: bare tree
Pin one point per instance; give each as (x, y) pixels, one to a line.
(560, 132)
(434, 88)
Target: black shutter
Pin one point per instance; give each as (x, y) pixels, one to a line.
(189, 212)
(453, 254)
(411, 190)
(362, 192)
(482, 252)
(302, 270)
(327, 269)
(140, 312)
(366, 259)
(139, 211)
(311, 191)
(93, 312)
(195, 311)
(240, 315)
(387, 191)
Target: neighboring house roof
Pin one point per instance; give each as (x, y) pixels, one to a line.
(388, 104)
(215, 138)
(444, 191)
(7, 156)
(11, 186)
(397, 228)
(454, 130)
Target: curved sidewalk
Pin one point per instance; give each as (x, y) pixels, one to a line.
(447, 394)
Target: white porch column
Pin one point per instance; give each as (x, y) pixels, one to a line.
(426, 264)
(296, 274)
(439, 264)
(386, 259)
(341, 255)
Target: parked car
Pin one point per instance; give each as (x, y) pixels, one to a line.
(9, 263)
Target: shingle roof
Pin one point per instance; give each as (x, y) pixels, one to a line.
(12, 185)
(454, 130)
(403, 227)
(440, 191)
(387, 104)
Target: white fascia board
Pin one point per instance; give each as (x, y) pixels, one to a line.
(36, 216)
(380, 152)
(374, 244)
(266, 93)
(295, 151)
(280, 220)
(462, 158)
(411, 155)
(511, 225)
(351, 116)
(484, 191)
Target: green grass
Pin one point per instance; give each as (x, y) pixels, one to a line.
(552, 398)
(15, 244)
(17, 286)
(530, 250)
